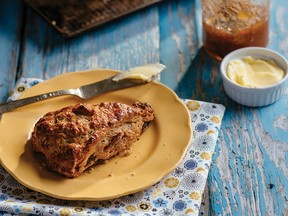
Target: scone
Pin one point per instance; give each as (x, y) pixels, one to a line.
(76, 137)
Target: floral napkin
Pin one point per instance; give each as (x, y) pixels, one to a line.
(179, 193)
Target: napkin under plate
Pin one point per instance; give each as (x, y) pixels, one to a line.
(179, 193)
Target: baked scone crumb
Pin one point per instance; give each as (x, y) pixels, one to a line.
(74, 138)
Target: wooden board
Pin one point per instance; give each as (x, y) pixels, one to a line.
(10, 44)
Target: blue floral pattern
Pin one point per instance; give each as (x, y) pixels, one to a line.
(190, 164)
(179, 193)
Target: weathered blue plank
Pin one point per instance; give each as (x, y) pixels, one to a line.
(131, 41)
(249, 175)
(10, 35)
(278, 42)
(179, 41)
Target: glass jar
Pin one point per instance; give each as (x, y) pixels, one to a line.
(230, 24)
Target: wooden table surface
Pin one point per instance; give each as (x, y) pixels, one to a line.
(249, 174)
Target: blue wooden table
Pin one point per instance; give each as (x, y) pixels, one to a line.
(249, 173)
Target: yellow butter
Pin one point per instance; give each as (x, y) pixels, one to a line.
(254, 73)
(145, 72)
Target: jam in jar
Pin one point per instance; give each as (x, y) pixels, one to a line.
(229, 25)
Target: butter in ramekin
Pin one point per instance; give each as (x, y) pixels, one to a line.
(254, 72)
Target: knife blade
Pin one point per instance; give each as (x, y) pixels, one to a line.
(135, 76)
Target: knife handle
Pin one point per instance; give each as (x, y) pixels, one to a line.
(5, 107)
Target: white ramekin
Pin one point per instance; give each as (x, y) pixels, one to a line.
(254, 97)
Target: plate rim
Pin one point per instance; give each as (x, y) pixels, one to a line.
(89, 198)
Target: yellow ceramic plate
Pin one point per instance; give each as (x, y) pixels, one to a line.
(157, 153)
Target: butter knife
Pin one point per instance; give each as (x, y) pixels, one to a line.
(133, 77)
